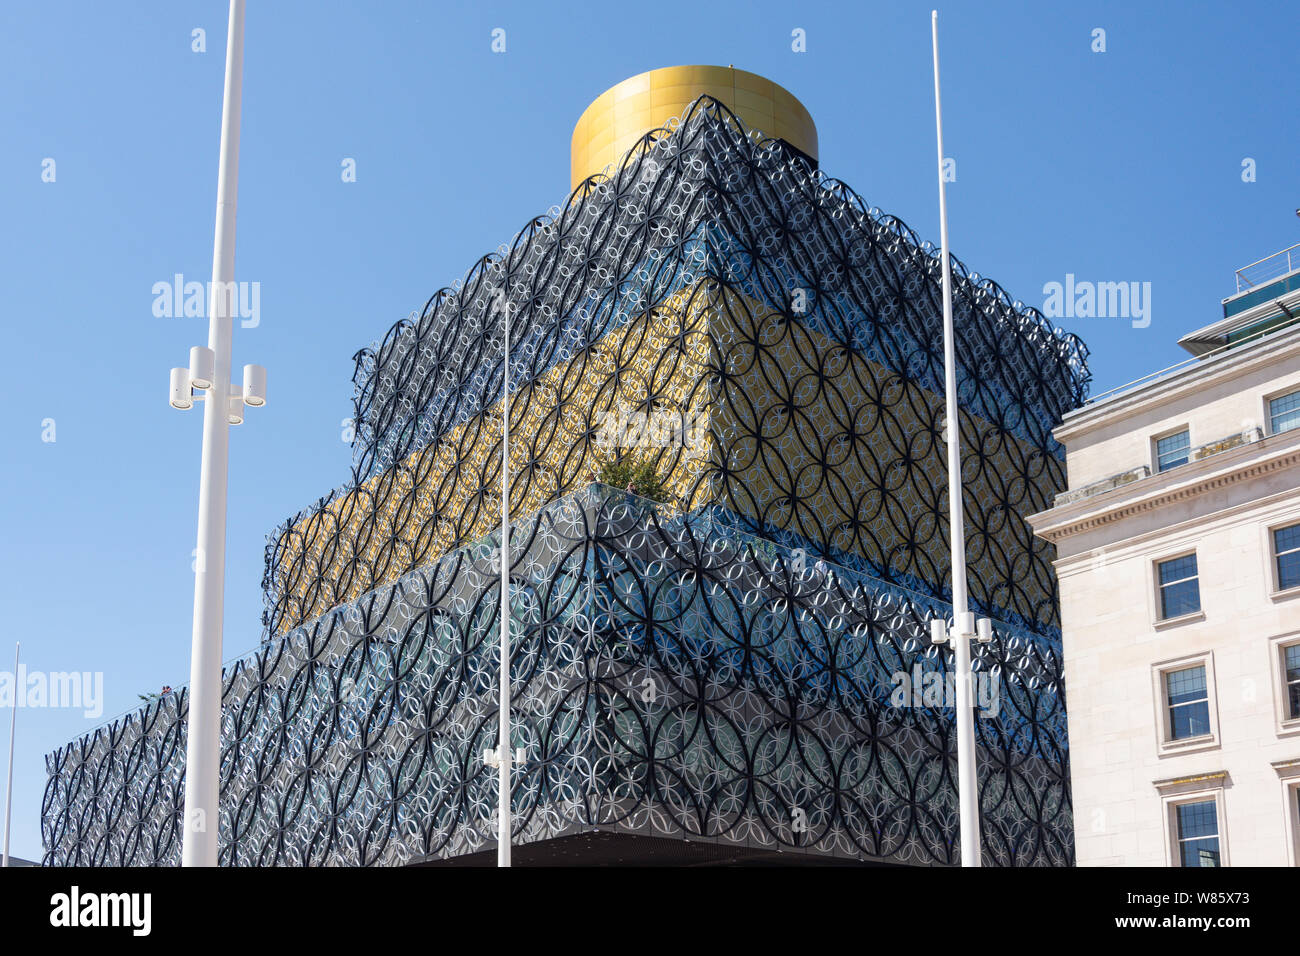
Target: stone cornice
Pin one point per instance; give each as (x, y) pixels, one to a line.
(1196, 376)
(1242, 463)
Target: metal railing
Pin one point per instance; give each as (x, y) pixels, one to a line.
(1268, 268)
(1195, 360)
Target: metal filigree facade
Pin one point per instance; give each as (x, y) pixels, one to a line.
(686, 670)
(670, 677)
(729, 280)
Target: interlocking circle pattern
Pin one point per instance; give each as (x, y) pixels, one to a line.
(669, 677)
(727, 280)
(725, 666)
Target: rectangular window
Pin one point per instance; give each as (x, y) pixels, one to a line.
(1180, 591)
(1286, 552)
(1172, 450)
(1291, 680)
(1198, 833)
(1188, 698)
(1284, 413)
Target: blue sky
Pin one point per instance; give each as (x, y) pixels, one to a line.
(1117, 166)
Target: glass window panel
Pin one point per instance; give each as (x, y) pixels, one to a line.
(1288, 571)
(1177, 569)
(1180, 591)
(1284, 412)
(1198, 833)
(1186, 685)
(1286, 547)
(1292, 679)
(1179, 599)
(1201, 852)
(1172, 450)
(1188, 700)
(1286, 539)
(1189, 720)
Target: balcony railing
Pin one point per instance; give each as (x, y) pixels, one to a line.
(1269, 268)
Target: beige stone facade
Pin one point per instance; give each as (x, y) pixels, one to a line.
(1137, 754)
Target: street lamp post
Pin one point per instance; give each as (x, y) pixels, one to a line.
(502, 757)
(208, 380)
(964, 627)
(503, 704)
(9, 777)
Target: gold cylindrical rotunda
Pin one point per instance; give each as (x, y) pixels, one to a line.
(620, 116)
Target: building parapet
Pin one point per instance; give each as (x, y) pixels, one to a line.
(1105, 484)
(1235, 440)
(1238, 461)
(1127, 477)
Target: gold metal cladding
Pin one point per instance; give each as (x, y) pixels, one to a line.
(859, 466)
(620, 116)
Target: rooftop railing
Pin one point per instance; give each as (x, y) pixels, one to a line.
(1268, 268)
(1174, 370)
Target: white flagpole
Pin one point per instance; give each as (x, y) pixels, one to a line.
(963, 630)
(504, 752)
(9, 778)
(203, 744)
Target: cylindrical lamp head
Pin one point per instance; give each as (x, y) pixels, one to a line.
(938, 630)
(180, 389)
(235, 412)
(254, 385)
(203, 366)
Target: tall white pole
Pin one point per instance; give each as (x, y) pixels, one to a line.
(963, 628)
(203, 747)
(9, 777)
(504, 752)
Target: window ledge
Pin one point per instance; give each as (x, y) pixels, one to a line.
(1286, 595)
(1184, 619)
(1172, 748)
